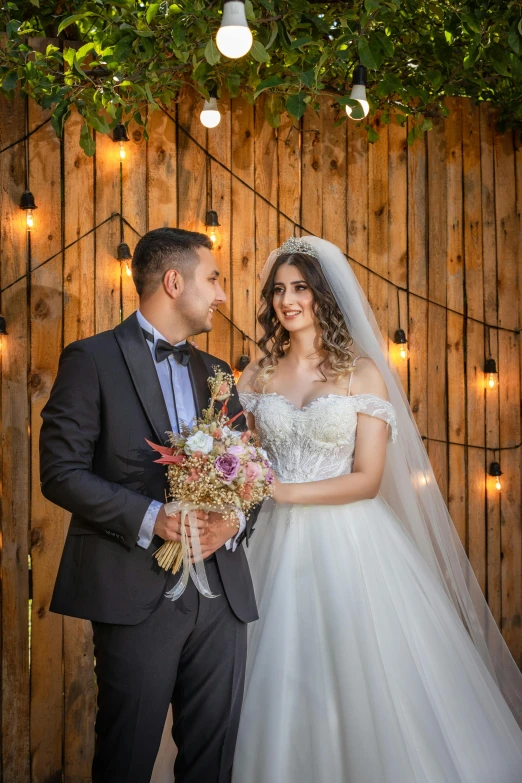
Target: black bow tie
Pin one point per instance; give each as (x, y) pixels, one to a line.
(163, 350)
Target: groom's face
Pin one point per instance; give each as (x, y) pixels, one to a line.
(202, 294)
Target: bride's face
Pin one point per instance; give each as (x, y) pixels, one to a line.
(292, 299)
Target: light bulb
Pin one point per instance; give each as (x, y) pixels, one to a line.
(210, 116)
(234, 38)
(358, 94)
(122, 150)
(215, 236)
(403, 353)
(498, 485)
(491, 380)
(29, 219)
(128, 269)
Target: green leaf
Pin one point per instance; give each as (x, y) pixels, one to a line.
(305, 39)
(272, 116)
(273, 34)
(98, 123)
(12, 27)
(149, 95)
(411, 137)
(365, 54)
(471, 22)
(401, 119)
(212, 55)
(514, 41)
(373, 136)
(499, 60)
(249, 11)
(84, 51)
(69, 20)
(295, 105)
(233, 83)
(59, 116)
(10, 79)
(152, 10)
(520, 27)
(35, 3)
(87, 142)
(388, 85)
(386, 43)
(272, 81)
(471, 56)
(436, 78)
(371, 5)
(259, 52)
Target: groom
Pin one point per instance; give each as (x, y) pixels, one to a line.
(113, 391)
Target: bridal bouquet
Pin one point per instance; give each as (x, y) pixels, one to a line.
(211, 467)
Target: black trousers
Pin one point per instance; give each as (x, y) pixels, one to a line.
(189, 653)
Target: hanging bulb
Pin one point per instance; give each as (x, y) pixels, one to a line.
(210, 116)
(124, 254)
(241, 366)
(3, 325)
(358, 92)
(212, 223)
(119, 135)
(234, 38)
(128, 269)
(402, 342)
(490, 369)
(494, 470)
(27, 204)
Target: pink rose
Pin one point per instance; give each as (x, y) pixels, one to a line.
(253, 472)
(227, 467)
(237, 451)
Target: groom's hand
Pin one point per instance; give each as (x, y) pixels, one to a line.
(169, 527)
(216, 535)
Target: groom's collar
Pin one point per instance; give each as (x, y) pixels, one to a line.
(156, 335)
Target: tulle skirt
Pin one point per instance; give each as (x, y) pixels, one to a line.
(359, 669)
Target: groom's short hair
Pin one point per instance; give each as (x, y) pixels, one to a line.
(163, 249)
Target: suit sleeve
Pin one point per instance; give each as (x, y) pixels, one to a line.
(70, 431)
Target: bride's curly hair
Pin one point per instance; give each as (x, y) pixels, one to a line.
(335, 339)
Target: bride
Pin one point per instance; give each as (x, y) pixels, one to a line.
(375, 658)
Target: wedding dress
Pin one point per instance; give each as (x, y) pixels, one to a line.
(359, 669)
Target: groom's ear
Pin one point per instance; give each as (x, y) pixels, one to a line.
(173, 283)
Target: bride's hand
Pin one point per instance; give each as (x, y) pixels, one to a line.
(280, 491)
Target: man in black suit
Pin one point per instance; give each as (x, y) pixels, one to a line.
(113, 391)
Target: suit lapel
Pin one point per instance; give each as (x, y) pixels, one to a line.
(199, 379)
(141, 367)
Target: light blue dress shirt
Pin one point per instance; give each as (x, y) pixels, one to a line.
(186, 407)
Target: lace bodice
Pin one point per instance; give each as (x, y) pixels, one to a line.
(317, 441)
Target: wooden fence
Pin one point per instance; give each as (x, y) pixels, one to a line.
(441, 220)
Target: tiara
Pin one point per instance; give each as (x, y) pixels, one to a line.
(297, 245)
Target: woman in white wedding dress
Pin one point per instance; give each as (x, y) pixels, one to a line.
(375, 658)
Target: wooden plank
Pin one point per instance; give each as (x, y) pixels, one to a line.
(312, 154)
(108, 272)
(476, 456)
(334, 168)
(378, 227)
(134, 205)
(243, 238)
(78, 322)
(192, 171)
(162, 195)
(46, 519)
(219, 339)
(476, 514)
(454, 235)
(489, 254)
(289, 163)
(437, 400)
(266, 183)
(357, 200)
(15, 743)
(472, 209)
(397, 243)
(418, 344)
(437, 217)
(511, 532)
(456, 423)
(507, 225)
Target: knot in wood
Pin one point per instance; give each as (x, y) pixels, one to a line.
(333, 164)
(315, 165)
(137, 134)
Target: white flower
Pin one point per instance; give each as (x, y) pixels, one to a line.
(199, 442)
(232, 434)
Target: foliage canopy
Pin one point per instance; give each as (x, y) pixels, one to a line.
(128, 55)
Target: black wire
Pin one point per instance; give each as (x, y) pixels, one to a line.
(24, 138)
(471, 445)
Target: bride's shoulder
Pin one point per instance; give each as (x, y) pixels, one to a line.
(247, 382)
(367, 379)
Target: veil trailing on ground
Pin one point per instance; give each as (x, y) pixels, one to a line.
(409, 486)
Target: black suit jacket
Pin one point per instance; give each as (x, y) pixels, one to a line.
(94, 462)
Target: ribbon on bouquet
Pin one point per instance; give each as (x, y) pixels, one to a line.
(195, 571)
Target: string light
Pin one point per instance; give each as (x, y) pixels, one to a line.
(494, 470)
(27, 204)
(3, 325)
(400, 338)
(124, 254)
(119, 135)
(210, 116)
(242, 364)
(234, 38)
(490, 370)
(358, 94)
(212, 223)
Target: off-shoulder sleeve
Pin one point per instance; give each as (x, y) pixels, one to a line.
(381, 409)
(248, 401)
